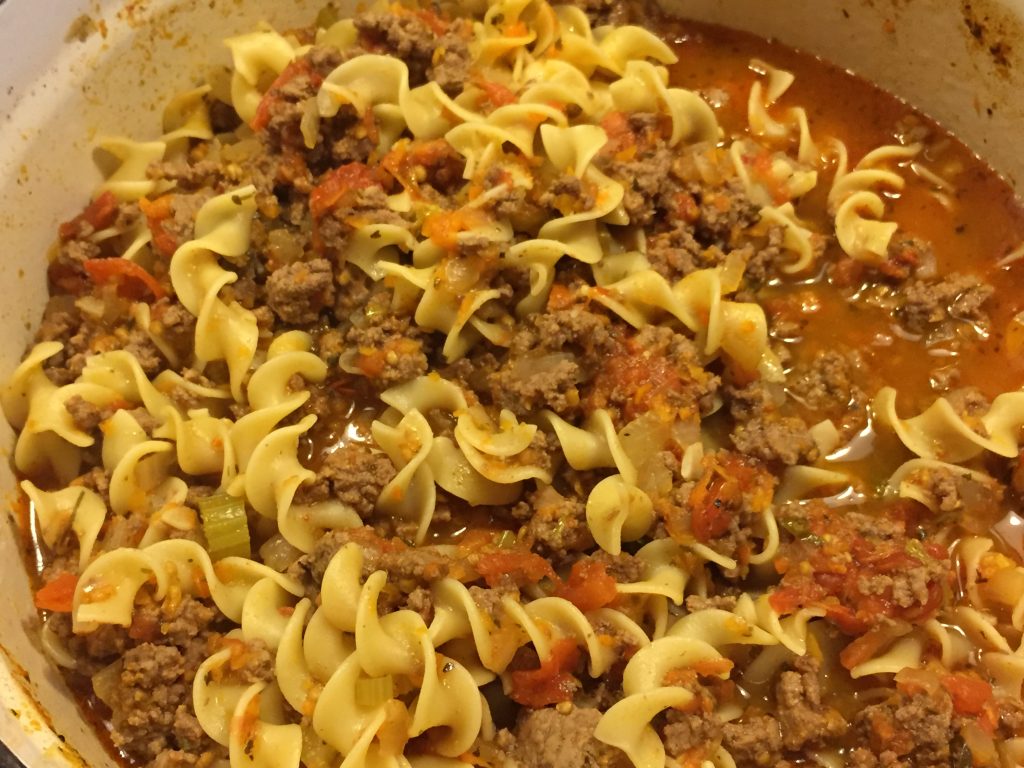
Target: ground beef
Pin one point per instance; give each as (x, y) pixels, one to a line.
(829, 384)
(623, 567)
(180, 225)
(922, 304)
(907, 255)
(784, 439)
(285, 103)
(668, 365)
(526, 384)
(84, 335)
(370, 204)
(566, 194)
(155, 683)
(675, 253)
(688, 731)
(645, 180)
(189, 620)
(756, 742)
(696, 603)
(557, 524)
(450, 64)
(389, 350)
(404, 35)
(969, 403)
(188, 174)
(913, 732)
(723, 213)
(584, 335)
(86, 415)
(909, 587)
(959, 492)
(299, 292)
(545, 738)
(805, 719)
(421, 601)
(175, 325)
(60, 320)
(420, 565)
(354, 475)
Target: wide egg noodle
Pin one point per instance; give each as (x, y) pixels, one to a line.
(855, 200)
(941, 434)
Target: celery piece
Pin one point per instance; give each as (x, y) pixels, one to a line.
(225, 526)
(371, 691)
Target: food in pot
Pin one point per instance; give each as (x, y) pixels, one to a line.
(523, 388)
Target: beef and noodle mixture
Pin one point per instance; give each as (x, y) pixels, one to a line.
(536, 387)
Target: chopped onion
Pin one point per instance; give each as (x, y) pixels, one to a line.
(278, 553)
(106, 683)
(309, 124)
(284, 246)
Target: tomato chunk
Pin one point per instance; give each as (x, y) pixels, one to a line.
(552, 682)
(132, 281)
(156, 213)
(495, 94)
(57, 595)
(443, 228)
(295, 69)
(589, 587)
(523, 567)
(98, 214)
(334, 187)
(970, 694)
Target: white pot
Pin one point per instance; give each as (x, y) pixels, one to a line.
(963, 63)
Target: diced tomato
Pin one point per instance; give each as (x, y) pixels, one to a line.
(552, 682)
(849, 621)
(57, 595)
(686, 207)
(132, 281)
(720, 490)
(620, 136)
(444, 227)
(437, 25)
(411, 162)
(518, 29)
(495, 94)
(761, 167)
(98, 214)
(970, 694)
(589, 587)
(786, 600)
(839, 563)
(145, 627)
(649, 375)
(373, 361)
(156, 212)
(560, 297)
(847, 273)
(863, 648)
(335, 184)
(522, 566)
(295, 69)
(709, 515)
